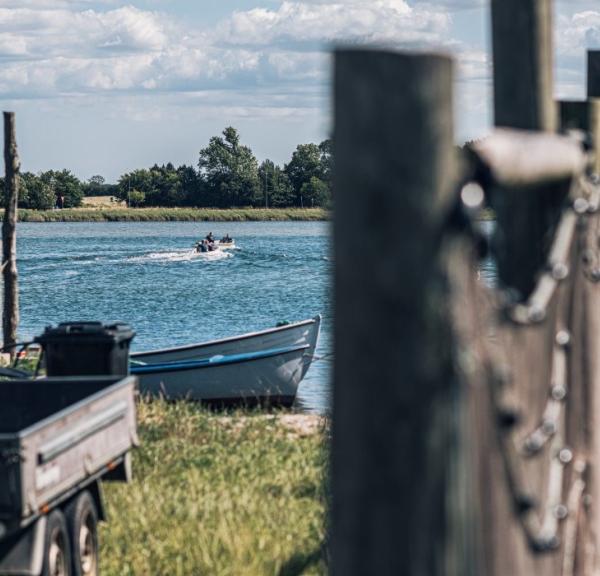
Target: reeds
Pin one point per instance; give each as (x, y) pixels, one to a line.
(173, 215)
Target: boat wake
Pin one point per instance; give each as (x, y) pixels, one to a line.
(181, 256)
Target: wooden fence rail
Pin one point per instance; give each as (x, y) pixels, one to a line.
(466, 418)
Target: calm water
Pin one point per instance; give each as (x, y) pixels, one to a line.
(147, 274)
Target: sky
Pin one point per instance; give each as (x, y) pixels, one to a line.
(107, 86)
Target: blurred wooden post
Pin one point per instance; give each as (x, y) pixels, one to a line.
(593, 77)
(591, 325)
(10, 317)
(523, 98)
(395, 407)
(593, 94)
(522, 45)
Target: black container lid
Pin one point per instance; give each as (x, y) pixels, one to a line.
(115, 332)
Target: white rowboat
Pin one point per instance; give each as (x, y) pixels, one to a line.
(260, 367)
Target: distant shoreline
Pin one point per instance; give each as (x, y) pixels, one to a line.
(174, 215)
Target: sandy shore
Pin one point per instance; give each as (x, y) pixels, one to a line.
(298, 425)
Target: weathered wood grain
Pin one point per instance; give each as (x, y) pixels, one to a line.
(10, 317)
(395, 423)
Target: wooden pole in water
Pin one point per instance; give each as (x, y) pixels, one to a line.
(394, 410)
(10, 317)
(523, 98)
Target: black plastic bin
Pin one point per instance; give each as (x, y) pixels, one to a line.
(86, 349)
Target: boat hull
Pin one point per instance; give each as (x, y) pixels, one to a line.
(258, 368)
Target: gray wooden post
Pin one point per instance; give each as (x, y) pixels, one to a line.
(10, 317)
(593, 77)
(591, 325)
(395, 410)
(523, 98)
(593, 94)
(522, 47)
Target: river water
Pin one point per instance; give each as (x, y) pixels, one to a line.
(147, 274)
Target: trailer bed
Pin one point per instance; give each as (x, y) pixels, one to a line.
(56, 434)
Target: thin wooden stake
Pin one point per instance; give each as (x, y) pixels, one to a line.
(10, 317)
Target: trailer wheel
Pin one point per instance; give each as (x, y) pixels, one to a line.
(82, 520)
(57, 550)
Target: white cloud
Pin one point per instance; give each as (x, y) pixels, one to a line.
(52, 4)
(578, 32)
(47, 33)
(53, 48)
(388, 21)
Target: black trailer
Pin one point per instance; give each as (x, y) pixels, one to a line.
(59, 437)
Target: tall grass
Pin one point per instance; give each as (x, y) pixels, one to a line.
(172, 214)
(239, 495)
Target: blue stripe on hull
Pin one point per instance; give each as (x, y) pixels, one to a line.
(213, 361)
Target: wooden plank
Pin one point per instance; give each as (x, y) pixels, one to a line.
(522, 55)
(396, 417)
(518, 158)
(10, 317)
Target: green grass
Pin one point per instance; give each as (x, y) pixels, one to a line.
(172, 214)
(235, 495)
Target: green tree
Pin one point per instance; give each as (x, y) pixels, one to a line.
(136, 198)
(192, 186)
(275, 185)
(315, 192)
(230, 171)
(166, 188)
(97, 186)
(64, 183)
(326, 150)
(161, 186)
(34, 193)
(140, 180)
(304, 165)
(97, 180)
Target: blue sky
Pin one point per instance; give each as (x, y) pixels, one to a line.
(106, 86)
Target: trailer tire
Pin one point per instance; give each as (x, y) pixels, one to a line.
(82, 521)
(57, 548)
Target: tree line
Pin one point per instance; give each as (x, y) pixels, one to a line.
(227, 175)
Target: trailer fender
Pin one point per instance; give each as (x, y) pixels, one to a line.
(98, 495)
(22, 554)
(121, 472)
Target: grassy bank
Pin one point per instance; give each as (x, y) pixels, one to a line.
(239, 495)
(172, 214)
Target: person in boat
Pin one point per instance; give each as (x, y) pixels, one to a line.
(226, 239)
(210, 238)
